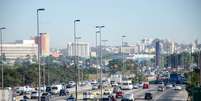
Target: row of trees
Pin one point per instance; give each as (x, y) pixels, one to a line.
(184, 59)
(18, 75)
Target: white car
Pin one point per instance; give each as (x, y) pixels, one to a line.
(177, 87)
(135, 86)
(169, 86)
(71, 83)
(161, 88)
(113, 83)
(128, 97)
(34, 95)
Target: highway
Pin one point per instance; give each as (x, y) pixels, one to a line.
(166, 95)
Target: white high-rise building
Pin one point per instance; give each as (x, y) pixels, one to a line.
(19, 49)
(82, 49)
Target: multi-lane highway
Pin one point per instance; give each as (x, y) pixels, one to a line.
(166, 95)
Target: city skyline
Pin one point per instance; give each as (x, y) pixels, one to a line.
(174, 20)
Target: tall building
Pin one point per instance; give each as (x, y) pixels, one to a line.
(44, 44)
(157, 58)
(82, 49)
(172, 47)
(194, 46)
(19, 49)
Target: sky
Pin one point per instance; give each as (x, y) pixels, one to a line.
(177, 20)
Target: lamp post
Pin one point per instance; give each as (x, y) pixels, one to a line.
(2, 68)
(99, 28)
(39, 50)
(77, 41)
(122, 42)
(75, 57)
(97, 62)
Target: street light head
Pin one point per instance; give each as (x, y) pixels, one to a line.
(100, 26)
(2, 28)
(76, 20)
(123, 36)
(41, 9)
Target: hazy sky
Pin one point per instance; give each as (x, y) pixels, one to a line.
(178, 20)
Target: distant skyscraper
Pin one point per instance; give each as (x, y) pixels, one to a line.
(172, 47)
(194, 46)
(44, 44)
(157, 58)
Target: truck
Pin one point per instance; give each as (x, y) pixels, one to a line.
(55, 89)
(127, 85)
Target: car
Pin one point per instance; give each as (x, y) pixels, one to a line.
(88, 95)
(71, 98)
(135, 86)
(128, 97)
(116, 88)
(46, 96)
(107, 92)
(94, 87)
(177, 87)
(113, 83)
(34, 95)
(141, 84)
(169, 86)
(119, 94)
(148, 96)
(62, 92)
(161, 88)
(105, 98)
(48, 89)
(72, 83)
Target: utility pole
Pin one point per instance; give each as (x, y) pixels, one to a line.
(75, 58)
(100, 27)
(2, 66)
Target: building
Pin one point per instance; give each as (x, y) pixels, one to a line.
(19, 49)
(82, 49)
(157, 53)
(172, 47)
(44, 44)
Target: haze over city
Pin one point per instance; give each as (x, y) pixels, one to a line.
(177, 20)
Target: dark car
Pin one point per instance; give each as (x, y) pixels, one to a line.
(69, 86)
(48, 89)
(62, 92)
(71, 98)
(46, 96)
(148, 96)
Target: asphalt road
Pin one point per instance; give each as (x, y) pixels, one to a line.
(167, 95)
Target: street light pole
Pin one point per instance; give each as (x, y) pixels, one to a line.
(122, 40)
(2, 68)
(97, 63)
(100, 27)
(39, 50)
(77, 41)
(75, 58)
